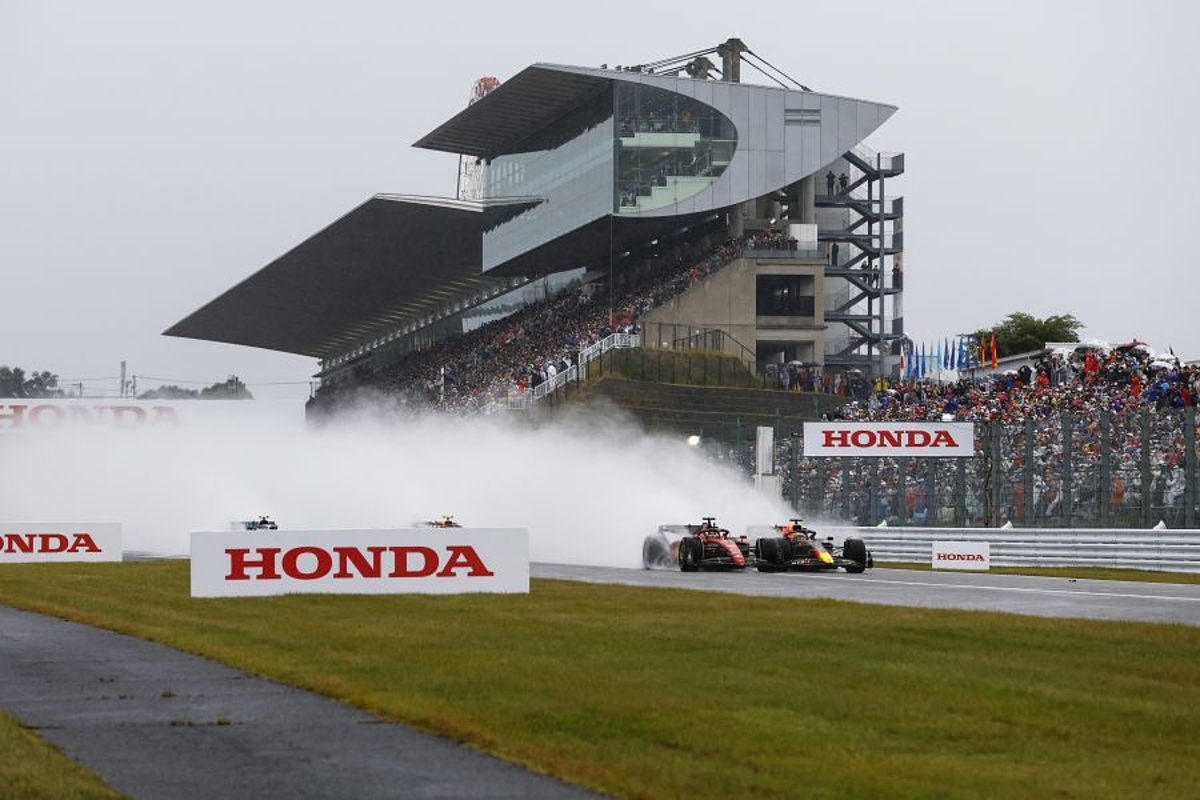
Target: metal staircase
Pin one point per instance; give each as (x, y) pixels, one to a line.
(866, 251)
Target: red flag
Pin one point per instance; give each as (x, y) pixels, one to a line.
(994, 362)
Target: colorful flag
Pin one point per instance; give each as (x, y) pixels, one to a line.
(922, 372)
(982, 349)
(995, 363)
(962, 352)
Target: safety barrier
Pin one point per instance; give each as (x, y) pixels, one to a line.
(520, 401)
(1157, 549)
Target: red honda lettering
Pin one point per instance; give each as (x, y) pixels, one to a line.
(837, 438)
(83, 541)
(120, 412)
(464, 557)
(38, 412)
(919, 438)
(889, 438)
(400, 568)
(51, 543)
(15, 415)
(943, 438)
(863, 438)
(18, 543)
(291, 563)
(348, 556)
(265, 564)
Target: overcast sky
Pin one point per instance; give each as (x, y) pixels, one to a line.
(152, 154)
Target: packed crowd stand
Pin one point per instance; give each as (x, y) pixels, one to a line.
(1094, 436)
(519, 352)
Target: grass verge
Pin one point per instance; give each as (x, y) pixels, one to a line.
(31, 769)
(666, 693)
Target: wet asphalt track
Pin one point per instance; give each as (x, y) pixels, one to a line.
(975, 591)
(156, 723)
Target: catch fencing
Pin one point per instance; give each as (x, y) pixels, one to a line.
(1099, 470)
(1163, 549)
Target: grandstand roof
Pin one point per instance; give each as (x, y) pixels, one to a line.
(514, 111)
(393, 260)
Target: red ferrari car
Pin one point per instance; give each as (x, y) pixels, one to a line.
(696, 547)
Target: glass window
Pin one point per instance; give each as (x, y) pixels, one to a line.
(669, 147)
(784, 296)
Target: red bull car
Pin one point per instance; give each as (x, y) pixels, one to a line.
(799, 548)
(696, 547)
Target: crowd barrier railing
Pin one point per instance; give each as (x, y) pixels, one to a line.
(1172, 550)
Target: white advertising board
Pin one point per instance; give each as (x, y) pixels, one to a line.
(27, 542)
(406, 561)
(42, 415)
(962, 555)
(893, 439)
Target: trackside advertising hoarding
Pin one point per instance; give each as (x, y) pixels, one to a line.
(406, 561)
(27, 542)
(43, 415)
(962, 555)
(920, 439)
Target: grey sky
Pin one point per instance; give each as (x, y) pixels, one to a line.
(152, 155)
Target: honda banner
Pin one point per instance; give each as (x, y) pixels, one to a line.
(962, 555)
(32, 416)
(24, 542)
(928, 439)
(408, 561)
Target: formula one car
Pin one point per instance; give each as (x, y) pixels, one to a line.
(263, 523)
(446, 521)
(696, 547)
(797, 547)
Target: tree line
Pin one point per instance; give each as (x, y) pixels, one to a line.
(15, 382)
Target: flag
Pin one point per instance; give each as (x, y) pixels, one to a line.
(954, 356)
(902, 365)
(946, 357)
(995, 363)
(982, 349)
(921, 368)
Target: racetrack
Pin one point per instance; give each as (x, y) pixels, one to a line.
(1013, 594)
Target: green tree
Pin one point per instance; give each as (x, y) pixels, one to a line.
(1022, 333)
(171, 392)
(231, 389)
(14, 383)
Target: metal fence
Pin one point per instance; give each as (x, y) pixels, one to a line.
(1064, 471)
(1174, 550)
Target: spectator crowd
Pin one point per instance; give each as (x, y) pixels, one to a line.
(532, 345)
(1098, 434)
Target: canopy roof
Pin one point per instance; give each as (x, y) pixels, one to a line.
(393, 260)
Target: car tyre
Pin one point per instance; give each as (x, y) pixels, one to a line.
(856, 551)
(691, 552)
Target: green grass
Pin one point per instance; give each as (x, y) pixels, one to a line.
(1088, 573)
(31, 769)
(666, 693)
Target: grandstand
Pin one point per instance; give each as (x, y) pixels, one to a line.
(669, 200)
